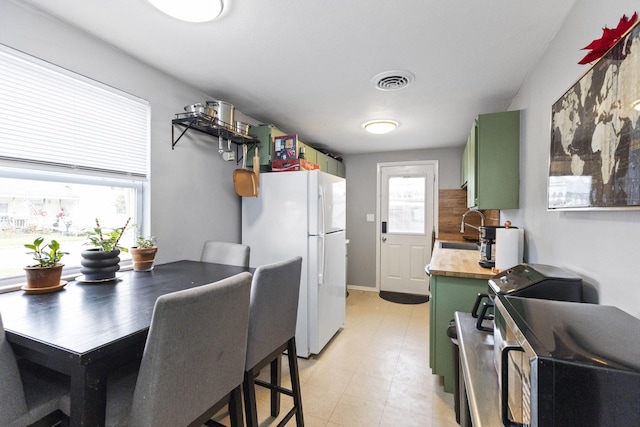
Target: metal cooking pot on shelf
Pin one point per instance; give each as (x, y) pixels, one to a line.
(210, 113)
(242, 128)
(224, 112)
(195, 109)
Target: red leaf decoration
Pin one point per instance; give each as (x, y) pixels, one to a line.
(609, 38)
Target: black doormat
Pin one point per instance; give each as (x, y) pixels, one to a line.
(402, 298)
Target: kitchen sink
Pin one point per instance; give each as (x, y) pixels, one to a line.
(460, 245)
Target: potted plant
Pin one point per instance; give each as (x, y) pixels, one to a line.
(144, 253)
(101, 262)
(47, 271)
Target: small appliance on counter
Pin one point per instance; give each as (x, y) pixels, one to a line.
(487, 246)
(530, 281)
(500, 246)
(566, 364)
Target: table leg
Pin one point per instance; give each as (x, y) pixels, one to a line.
(88, 396)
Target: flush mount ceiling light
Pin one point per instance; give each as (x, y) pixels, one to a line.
(190, 10)
(380, 126)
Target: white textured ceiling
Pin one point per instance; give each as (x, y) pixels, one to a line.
(306, 66)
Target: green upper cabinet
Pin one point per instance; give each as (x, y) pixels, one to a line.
(323, 161)
(330, 165)
(310, 153)
(493, 161)
(265, 134)
(464, 167)
(471, 165)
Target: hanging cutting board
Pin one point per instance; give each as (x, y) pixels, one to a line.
(245, 181)
(256, 166)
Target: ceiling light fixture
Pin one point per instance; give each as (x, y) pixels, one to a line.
(190, 10)
(380, 126)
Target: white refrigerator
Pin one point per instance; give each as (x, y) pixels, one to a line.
(303, 213)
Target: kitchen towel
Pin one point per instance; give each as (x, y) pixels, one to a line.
(509, 247)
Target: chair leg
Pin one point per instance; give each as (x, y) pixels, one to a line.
(235, 408)
(276, 379)
(295, 381)
(250, 406)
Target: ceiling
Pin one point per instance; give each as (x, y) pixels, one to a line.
(307, 67)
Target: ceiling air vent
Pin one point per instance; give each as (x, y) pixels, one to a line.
(393, 80)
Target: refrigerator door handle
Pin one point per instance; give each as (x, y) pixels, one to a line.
(321, 261)
(322, 214)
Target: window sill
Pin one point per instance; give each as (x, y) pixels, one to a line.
(15, 283)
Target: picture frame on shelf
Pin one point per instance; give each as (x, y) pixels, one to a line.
(285, 147)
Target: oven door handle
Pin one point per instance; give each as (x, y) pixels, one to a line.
(484, 316)
(479, 298)
(504, 395)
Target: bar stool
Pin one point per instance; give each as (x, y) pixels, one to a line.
(193, 360)
(29, 394)
(272, 328)
(225, 253)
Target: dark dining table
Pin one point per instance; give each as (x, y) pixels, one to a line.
(88, 329)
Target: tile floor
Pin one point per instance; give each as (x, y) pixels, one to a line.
(375, 372)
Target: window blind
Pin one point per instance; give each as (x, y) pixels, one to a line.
(53, 116)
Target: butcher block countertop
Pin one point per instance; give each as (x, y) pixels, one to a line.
(457, 263)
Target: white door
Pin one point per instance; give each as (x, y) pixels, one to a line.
(408, 207)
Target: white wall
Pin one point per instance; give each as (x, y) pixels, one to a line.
(603, 247)
(191, 196)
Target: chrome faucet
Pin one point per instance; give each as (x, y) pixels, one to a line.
(464, 215)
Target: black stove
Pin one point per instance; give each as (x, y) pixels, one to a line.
(528, 281)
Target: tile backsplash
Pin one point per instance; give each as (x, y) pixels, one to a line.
(452, 205)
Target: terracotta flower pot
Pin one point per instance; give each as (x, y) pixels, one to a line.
(143, 258)
(99, 265)
(43, 277)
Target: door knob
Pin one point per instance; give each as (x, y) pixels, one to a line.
(384, 238)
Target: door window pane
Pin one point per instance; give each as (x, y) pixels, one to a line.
(406, 204)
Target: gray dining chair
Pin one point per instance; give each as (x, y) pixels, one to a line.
(225, 253)
(29, 395)
(193, 361)
(272, 327)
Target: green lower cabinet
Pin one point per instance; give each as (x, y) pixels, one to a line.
(448, 295)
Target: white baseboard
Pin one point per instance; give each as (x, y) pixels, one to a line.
(361, 288)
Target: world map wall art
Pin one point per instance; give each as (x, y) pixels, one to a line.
(595, 134)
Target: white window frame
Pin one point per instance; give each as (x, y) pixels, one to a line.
(16, 162)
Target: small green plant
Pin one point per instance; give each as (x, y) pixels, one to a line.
(107, 239)
(44, 257)
(143, 242)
